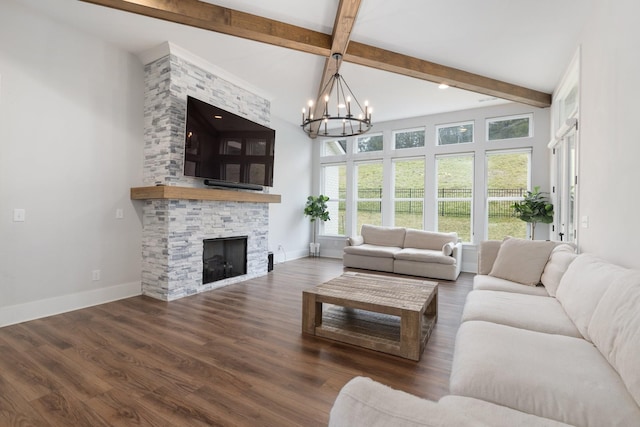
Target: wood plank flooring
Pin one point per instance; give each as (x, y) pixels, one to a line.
(234, 356)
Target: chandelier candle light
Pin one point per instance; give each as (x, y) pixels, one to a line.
(343, 123)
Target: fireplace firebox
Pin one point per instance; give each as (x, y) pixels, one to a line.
(223, 258)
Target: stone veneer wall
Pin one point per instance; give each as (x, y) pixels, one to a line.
(168, 81)
(173, 230)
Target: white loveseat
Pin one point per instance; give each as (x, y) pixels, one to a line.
(405, 251)
(566, 352)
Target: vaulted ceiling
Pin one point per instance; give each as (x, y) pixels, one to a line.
(395, 53)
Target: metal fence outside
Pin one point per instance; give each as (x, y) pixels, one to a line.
(454, 208)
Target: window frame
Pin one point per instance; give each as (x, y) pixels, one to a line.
(395, 199)
(408, 130)
(490, 120)
(452, 125)
(472, 156)
(488, 199)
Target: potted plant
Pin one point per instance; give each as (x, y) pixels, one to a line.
(534, 208)
(316, 208)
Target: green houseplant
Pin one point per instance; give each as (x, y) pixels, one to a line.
(316, 209)
(534, 208)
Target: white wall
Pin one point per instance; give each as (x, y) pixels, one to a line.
(71, 114)
(292, 180)
(609, 140)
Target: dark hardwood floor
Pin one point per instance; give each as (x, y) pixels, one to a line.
(233, 356)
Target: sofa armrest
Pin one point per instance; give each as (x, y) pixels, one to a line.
(487, 253)
(363, 402)
(355, 241)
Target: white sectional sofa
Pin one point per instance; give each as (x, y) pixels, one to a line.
(563, 353)
(405, 251)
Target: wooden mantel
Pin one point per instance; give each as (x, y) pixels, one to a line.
(188, 193)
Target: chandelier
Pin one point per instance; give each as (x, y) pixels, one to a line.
(343, 117)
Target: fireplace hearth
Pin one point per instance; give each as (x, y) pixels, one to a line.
(223, 258)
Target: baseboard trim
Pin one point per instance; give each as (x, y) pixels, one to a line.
(19, 313)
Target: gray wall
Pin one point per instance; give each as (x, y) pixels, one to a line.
(71, 147)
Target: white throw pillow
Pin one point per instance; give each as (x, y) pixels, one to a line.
(447, 249)
(356, 240)
(521, 260)
(561, 257)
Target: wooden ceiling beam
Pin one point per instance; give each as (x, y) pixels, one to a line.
(223, 20)
(393, 62)
(343, 25)
(240, 24)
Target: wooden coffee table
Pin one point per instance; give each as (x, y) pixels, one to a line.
(384, 313)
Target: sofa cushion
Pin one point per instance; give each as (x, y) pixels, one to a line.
(582, 287)
(495, 415)
(521, 260)
(615, 329)
(552, 376)
(559, 260)
(491, 283)
(372, 250)
(383, 236)
(364, 402)
(535, 313)
(420, 239)
(424, 255)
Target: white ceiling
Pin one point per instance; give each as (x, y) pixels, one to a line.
(528, 43)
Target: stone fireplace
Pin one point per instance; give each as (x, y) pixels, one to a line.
(179, 214)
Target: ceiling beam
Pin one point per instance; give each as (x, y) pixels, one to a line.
(252, 27)
(393, 62)
(343, 24)
(223, 20)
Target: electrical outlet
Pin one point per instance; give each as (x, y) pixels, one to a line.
(95, 275)
(119, 213)
(279, 247)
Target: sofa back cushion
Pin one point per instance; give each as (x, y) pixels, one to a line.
(521, 260)
(561, 257)
(615, 329)
(383, 236)
(487, 255)
(420, 239)
(582, 287)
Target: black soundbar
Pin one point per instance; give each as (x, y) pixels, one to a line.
(227, 184)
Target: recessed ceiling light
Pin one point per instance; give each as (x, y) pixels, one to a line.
(217, 116)
(443, 86)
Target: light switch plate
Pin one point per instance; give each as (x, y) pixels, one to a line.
(19, 215)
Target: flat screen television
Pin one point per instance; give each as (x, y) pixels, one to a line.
(226, 149)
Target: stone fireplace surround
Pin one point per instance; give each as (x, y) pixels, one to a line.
(174, 227)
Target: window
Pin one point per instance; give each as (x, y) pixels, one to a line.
(455, 194)
(509, 127)
(408, 138)
(334, 185)
(369, 143)
(408, 200)
(369, 198)
(454, 133)
(333, 147)
(508, 177)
